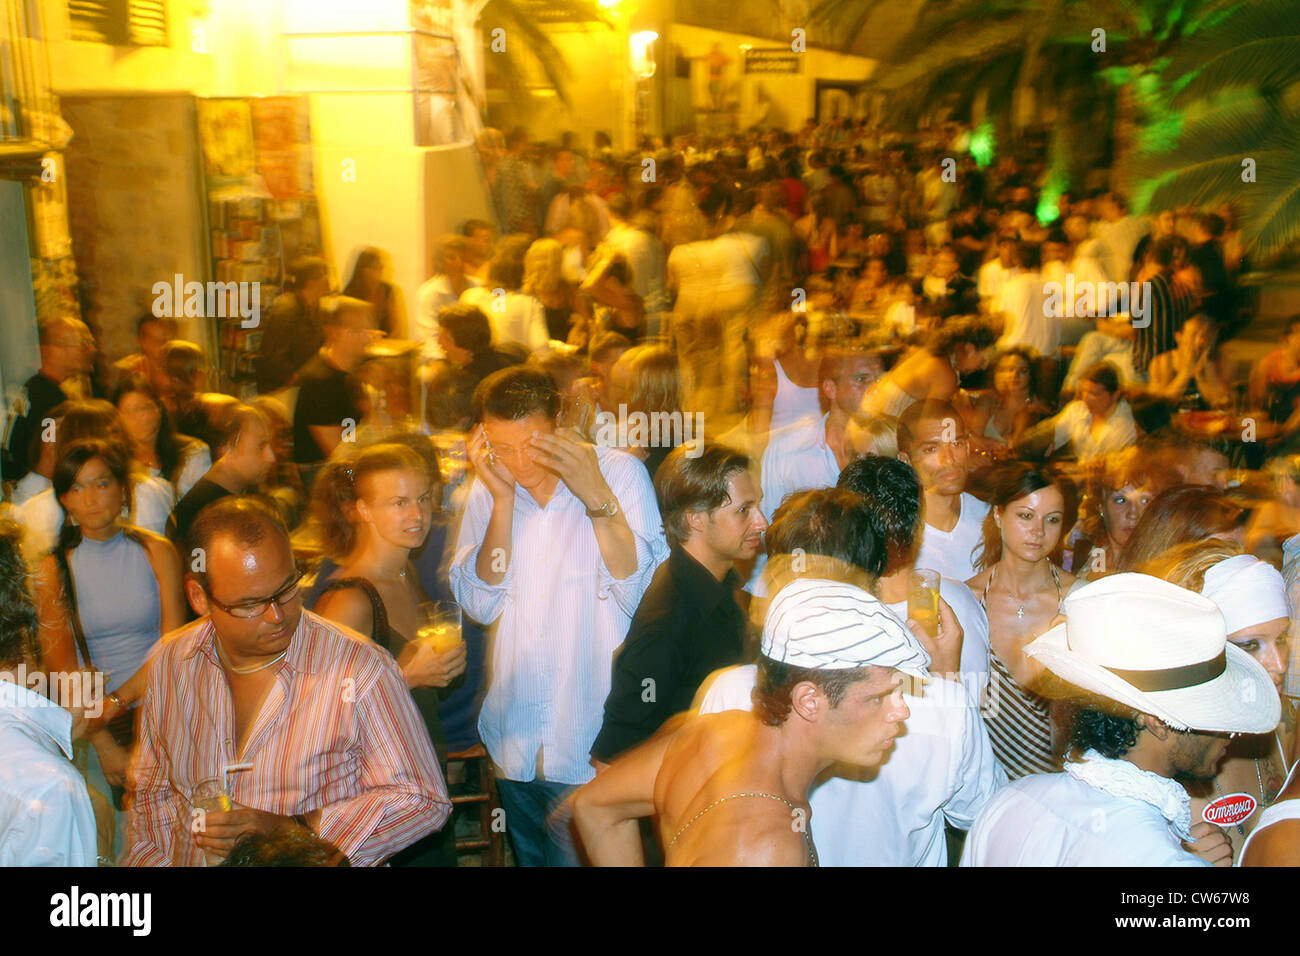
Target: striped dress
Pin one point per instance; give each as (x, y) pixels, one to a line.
(1019, 721)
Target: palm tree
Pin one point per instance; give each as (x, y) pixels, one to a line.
(529, 48)
(1011, 54)
(1236, 91)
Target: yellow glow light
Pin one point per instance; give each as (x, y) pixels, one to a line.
(642, 57)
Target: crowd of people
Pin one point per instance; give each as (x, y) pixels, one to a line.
(805, 498)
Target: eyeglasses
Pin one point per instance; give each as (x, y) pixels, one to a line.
(251, 609)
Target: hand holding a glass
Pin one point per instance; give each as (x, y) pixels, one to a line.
(217, 822)
(436, 656)
(933, 622)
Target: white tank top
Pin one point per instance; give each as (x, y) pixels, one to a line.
(1282, 810)
(793, 402)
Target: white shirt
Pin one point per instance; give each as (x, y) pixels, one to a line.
(740, 255)
(557, 214)
(1088, 273)
(41, 516)
(196, 465)
(433, 296)
(1026, 319)
(649, 262)
(1099, 812)
(942, 768)
(949, 552)
(28, 487)
(793, 403)
(516, 318)
(990, 279)
(45, 813)
(796, 459)
(1117, 240)
(555, 620)
(1074, 426)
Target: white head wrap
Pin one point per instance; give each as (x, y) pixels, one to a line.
(827, 625)
(1247, 590)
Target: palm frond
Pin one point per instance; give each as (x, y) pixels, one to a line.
(1257, 45)
(957, 24)
(1233, 127)
(1266, 63)
(985, 42)
(528, 43)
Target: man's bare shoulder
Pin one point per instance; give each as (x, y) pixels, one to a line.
(747, 830)
(701, 736)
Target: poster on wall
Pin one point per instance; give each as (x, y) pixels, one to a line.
(226, 130)
(282, 137)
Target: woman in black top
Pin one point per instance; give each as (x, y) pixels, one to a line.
(374, 510)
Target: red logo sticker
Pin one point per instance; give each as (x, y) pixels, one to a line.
(1230, 810)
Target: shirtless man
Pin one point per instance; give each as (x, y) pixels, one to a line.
(731, 789)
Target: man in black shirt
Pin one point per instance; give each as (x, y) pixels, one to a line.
(291, 331)
(688, 623)
(327, 410)
(245, 457)
(67, 350)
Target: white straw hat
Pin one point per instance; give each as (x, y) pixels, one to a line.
(1161, 650)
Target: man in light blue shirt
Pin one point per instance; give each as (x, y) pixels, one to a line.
(46, 818)
(558, 543)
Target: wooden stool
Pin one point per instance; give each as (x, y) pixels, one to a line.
(489, 844)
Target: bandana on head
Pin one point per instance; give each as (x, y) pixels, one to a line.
(826, 625)
(1247, 590)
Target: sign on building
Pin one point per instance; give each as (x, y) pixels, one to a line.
(774, 60)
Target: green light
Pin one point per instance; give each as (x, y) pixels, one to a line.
(982, 142)
(1048, 210)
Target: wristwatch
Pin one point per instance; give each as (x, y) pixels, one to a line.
(607, 510)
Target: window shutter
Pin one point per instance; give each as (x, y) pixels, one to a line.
(119, 22)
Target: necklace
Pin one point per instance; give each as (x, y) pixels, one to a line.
(1259, 778)
(246, 670)
(1020, 611)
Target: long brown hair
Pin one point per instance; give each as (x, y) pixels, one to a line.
(1178, 515)
(337, 489)
(173, 448)
(19, 623)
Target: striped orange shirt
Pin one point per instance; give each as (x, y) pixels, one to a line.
(338, 730)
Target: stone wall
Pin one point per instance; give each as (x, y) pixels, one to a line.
(134, 207)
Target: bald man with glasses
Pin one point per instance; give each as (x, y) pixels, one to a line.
(318, 721)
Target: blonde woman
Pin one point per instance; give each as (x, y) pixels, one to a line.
(647, 379)
(544, 281)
